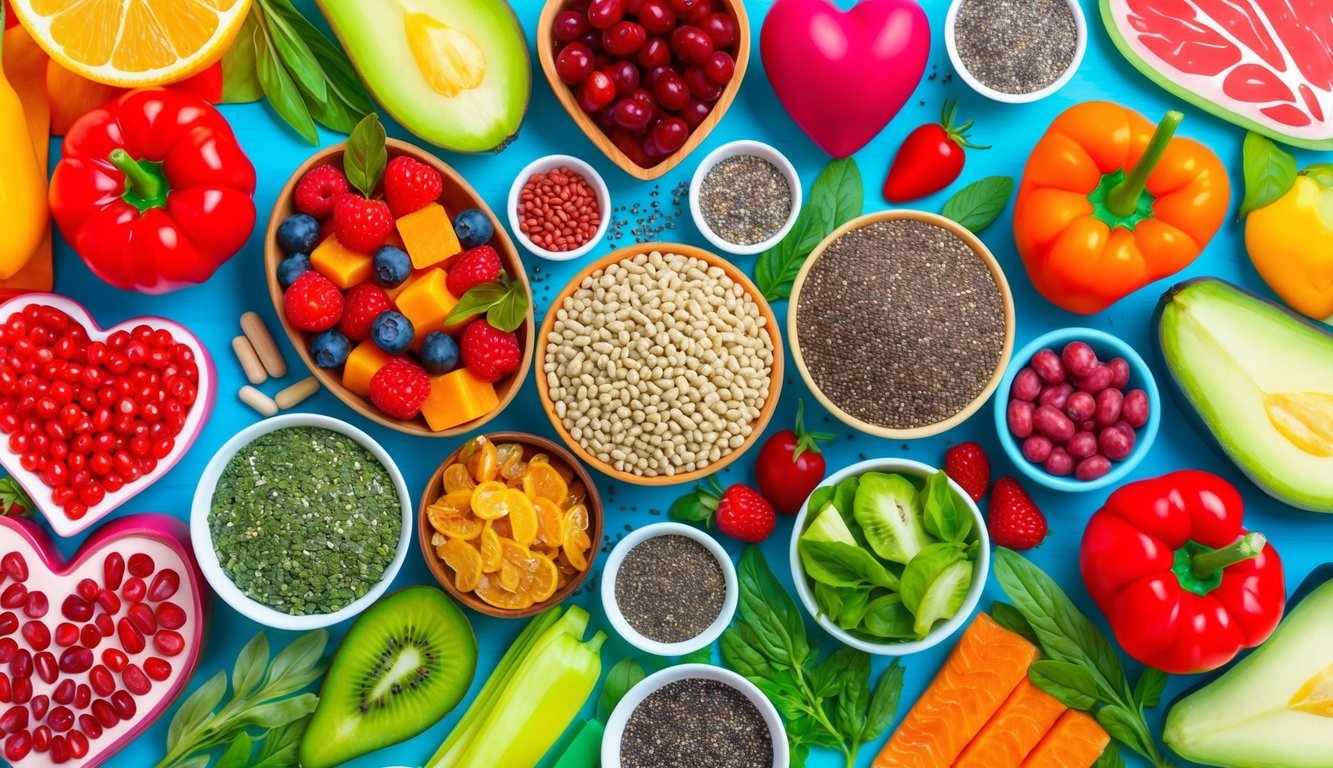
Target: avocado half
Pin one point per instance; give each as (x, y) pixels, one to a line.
(453, 72)
(1274, 708)
(1259, 378)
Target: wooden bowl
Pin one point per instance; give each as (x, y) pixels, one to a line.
(775, 375)
(982, 252)
(458, 195)
(546, 52)
(532, 444)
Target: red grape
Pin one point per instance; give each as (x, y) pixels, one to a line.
(702, 9)
(721, 28)
(596, 92)
(624, 39)
(570, 26)
(624, 75)
(695, 112)
(603, 13)
(654, 53)
(720, 67)
(631, 115)
(670, 135)
(671, 91)
(682, 7)
(691, 44)
(657, 17)
(574, 63)
(700, 86)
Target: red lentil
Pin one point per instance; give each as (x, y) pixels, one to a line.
(558, 210)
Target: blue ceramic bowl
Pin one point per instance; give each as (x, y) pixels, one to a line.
(1107, 347)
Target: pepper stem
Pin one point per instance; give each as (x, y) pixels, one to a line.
(139, 181)
(1123, 199)
(1205, 565)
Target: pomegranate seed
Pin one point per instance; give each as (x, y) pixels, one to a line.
(141, 565)
(22, 690)
(59, 750)
(109, 602)
(82, 695)
(17, 746)
(14, 595)
(75, 660)
(37, 635)
(14, 720)
(21, 666)
(164, 585)
(75, 608)
(14, 566)
(47, 669)
(115, 659)
(124, 704)
(37, 605)
(6, 693)
(8, 649)
(131, 639)
(113, 569)
(90, 636)
(134, 590)
(169, 643)
(88, 589)
(64, 693)
(9, 622)
(143, 618)
(106, 624)
(39, 706)
(61, 719)
(158, 669)
(78, 745)
(89, 725)
(136, 682)
(105, 713)
(41, 738)
(102, 681)
(170, 616)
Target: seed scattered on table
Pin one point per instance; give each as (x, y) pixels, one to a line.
(1016, 46)
(670, 588)
(745, 199)
(558, 210)
(693, 723)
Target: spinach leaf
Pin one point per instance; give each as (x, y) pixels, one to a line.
(843, 565)
(854, 605)
(1110, 758)
(818, 498)
(829, 599)
(623, 676)
(886, 617)
(884, 704)
(770, 612)
(1008, 617)
(1148, 690)
(946, 519)
(1071, 684)
(977, 205)
(836, 197)
(702, 656)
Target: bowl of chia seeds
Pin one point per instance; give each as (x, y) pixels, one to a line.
(669, 589)
(902, 324)
(300, 521)
(745, 197)
(1016, 51)
(694, 715)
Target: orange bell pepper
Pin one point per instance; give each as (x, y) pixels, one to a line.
(1108, 204)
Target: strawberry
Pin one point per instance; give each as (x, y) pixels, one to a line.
(488, 352)
(312, 303)
(360, 223)
(740, 511)
(365, 302)
(399, 388)
(1013, 519)
(968, 465)
(317, 190)
(475, 267)
(410, 185)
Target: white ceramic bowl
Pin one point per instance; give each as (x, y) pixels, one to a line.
(1080, 48)
(942, 630)
(736, 149)
(617, 619)
(615, 724)
(202, 537)
(589, 174)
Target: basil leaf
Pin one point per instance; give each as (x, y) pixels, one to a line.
(830, 675)
(854, 699)
(886, 617)
(1270, 171)
(238, 754)
(945, 518)
(1148, 690)
(1071, 684)
(884, 704)
(279, 747)
(843, 565)
(295, 54)
(365, 158)
(282, 94)
(507, 314)
(836, 197)
(977, 205)
(1125, 727)
(249, 670)
(829, 599)
(240, 76)
(1008, 617)
(196, 709)
(854, 605)
(778, 628)
(623, 676)
(742, 654)
(1110, 757)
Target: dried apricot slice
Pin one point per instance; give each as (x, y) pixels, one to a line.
(576, 517)
(460, 501)
(545, 579)
(488, 500)
(576, 548)
(511, 576)
(510, 458)
(443, 519)
(466, 562)
(550, 522)
(522, 516)
(457, 478)
(484, 463)
(577, 494)
(490, 549)
(542, 480)
(489, 589)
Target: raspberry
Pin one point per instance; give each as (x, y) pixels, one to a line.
(365, 302)
(410, 185)
(360, 223)
(317, 190)
(312, 303)
(399, 388)
(475, 267)
(488, 352)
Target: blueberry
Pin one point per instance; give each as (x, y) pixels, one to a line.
(439, 353)
(298, 232)
(473, 228)
(392, 266)
(330, 349)
(392, 332)
(292, 267)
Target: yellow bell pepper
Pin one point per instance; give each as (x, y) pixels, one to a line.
(1290, 242)
(26, 66)
(22, 184)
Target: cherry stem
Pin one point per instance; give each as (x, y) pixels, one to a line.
(1205, 565)
(1123, 199)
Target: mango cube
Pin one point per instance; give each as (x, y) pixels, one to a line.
(364, 362)
(427, 302)
(457, 397)
(397, 290)
(343, 266)
(428, 236)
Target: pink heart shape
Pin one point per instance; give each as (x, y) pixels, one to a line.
(91, 691)
(843, 76)
(206, 393)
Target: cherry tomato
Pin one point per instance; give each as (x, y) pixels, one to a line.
(790, 465)
(930, 159)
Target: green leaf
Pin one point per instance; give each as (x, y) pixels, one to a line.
(925, 568)
(505, 304)
(1322, 173)
(297, 665)
(855, 603)
(703, 655)
(1148, 689)
(250, 665)
(829, 599)
(830, 675)
(240, 71)
(1110, 757)
(281, 712)
(623, 676)
(843, 565)
(346, 99)
(295, 55)
(238, 754)
(977, 205)
(854, 699)
(366, 156)
(779, 629)
(282, 94)
(279, 747)
(945, 518)
(818, 498)
(884, 704)
(1071, 684)
(835, 198)
(1008, 617)
(1270, 171)
(507, 314)
(1125, 727)
(886, 617)
(740, 650)
(196, 709)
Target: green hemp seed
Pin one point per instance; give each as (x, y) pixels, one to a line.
(305, 520)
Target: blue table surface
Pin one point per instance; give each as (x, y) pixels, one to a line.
(211, 311)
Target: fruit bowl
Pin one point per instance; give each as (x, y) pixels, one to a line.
(444, 574)
(458, 195)
(546, 42)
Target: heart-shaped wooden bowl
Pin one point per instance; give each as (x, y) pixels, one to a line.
(532, 445)
(546, 52)
(206, 394)
(47, 592)
(458, 195)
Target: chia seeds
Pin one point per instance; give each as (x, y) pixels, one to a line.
(670, 588)
(900, 324)
(1016, 46)
(305, 520)
(696, 722)
(745, 199)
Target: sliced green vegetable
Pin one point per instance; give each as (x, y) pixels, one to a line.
(843, 565)
(829, 526)
(888, 510)
(945, 518)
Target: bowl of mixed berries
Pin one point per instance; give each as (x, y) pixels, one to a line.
(398, 287)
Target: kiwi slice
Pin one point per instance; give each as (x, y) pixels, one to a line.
(404, 664)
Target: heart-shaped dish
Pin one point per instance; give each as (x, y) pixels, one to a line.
(199, 410)
(144, 577)
(546, 43)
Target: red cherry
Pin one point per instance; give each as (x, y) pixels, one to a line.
(695, 112)
(691, 44)
(670, 134)
(596, 92)
(682, 7)
(657, 17)
(656, 52)
(720, 67)
(625, 76)
(624, 38)
(702, 9)
(574, 63)
(569, 26)
(700, 86)
(671, 91)
(603, 13)
(631, 115)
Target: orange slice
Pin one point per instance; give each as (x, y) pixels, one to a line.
(550, 522)
(576, 517)
(510, 456)
(577, 494)
(545, 579)
(457, 478)
(488, 500)
(542, 480)
(576, 548)
(522, 517)
(484, 461)
(490, 550)
(133, 43)
(489, 589)
(466, 562)
(453, 525)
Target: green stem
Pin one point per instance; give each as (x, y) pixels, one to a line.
(1123, 199)
(1205, 565)
(139, 181)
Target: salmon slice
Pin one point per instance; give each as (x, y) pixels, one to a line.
(1023, 719)
(986, 666)
(1076, 741)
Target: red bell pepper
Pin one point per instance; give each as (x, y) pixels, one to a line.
(153, 191)
(1183, 585)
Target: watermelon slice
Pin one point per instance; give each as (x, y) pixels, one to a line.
(1265, 65)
